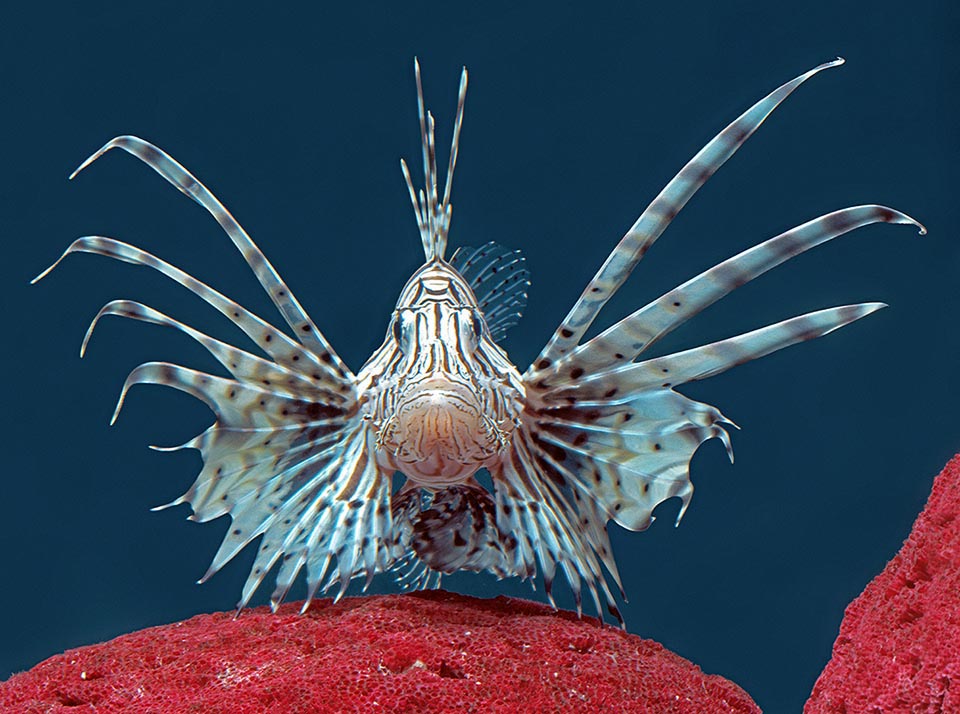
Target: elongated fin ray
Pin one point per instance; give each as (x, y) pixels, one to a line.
(627, 339)
(432, 211)
(541, 524)
(241, 364)
(499, 279)
(288, 305)
(274, 342)
(243, 402)
(621, 384)
(658, 215)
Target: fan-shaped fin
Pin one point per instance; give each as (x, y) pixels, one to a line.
(302, 475)
(499, 279)
(539, 523)
(342, 513)
(630, 457)
(658, 215)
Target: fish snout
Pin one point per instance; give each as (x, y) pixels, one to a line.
(439, 434)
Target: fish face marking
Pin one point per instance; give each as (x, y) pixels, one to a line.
(448, 399)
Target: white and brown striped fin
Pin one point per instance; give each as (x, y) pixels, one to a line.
(433, 212)
(299, 473)
(288, 305)
(283, 350)
(629, 338)
(243, 365)
(623, 438)
(499, 279)
(622, 383)
(450, 529)
(543, 519)
(624, 458)
(620, 439)
(337, 525)
(289, 458)
(657, 216)
(611, 433)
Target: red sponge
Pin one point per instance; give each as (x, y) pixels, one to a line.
(428, 652)
(899, 644)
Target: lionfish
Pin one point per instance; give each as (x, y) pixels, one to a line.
(304, 451)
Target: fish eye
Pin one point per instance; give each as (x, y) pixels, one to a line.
(397, 329)
(474, 320)
(477, 319)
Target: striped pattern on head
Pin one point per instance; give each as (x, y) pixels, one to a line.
(448, 396)
(432, 211)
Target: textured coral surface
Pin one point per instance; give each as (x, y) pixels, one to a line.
(899, 644)
(429, 652)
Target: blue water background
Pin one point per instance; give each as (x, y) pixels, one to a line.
(576, 117)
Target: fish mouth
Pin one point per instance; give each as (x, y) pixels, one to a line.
(439, 433)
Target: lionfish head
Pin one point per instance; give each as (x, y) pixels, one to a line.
(443, 410)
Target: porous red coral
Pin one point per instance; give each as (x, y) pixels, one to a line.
(429, 652)
(899, 644)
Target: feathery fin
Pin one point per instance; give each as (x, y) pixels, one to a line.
(499, 279)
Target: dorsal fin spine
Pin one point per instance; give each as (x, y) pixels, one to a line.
(433, 214)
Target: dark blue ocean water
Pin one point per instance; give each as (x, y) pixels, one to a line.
(575, 119)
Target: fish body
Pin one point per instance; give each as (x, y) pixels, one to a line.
(303, 451)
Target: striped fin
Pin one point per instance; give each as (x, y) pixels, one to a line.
(342, 514)
(245, 461)
(628, 458)
(627, 339)
(620, 384)
(499, 279)
(540, 524)
(241, 364)
(283, 350)
(621, 440)
(658, 215)
(411, 573)
(433, 212)
(288, 458)
(455, 530)
(301, 474)
(288, 305)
